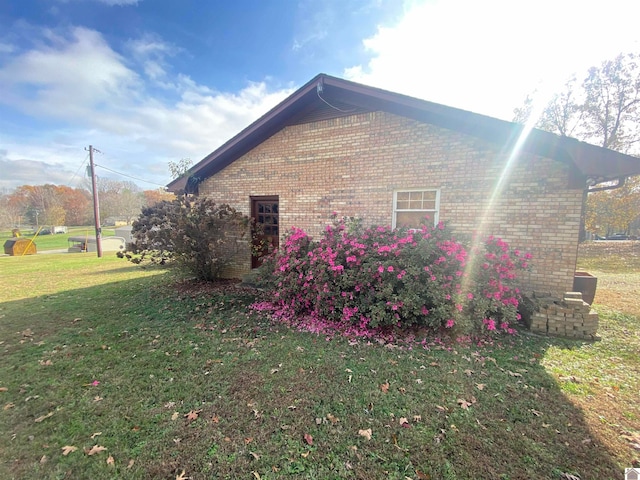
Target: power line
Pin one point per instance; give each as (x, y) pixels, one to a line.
(81, 165)
(129, 176)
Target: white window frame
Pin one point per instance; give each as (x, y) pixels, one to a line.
(435, 213)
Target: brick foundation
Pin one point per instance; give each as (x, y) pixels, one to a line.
(571, 317)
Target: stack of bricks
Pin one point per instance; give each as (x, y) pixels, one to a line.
(572, 317)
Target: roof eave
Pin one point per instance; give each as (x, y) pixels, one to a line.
(590, 160)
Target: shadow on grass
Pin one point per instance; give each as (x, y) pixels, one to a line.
(188, 379)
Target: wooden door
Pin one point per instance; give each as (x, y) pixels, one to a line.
(265, 212)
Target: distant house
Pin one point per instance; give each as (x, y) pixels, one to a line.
(335, 145)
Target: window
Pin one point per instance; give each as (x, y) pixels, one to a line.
(411, 207)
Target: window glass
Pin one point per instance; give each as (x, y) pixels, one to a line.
(412, 207)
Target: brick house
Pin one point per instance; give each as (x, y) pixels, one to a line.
(335, 145)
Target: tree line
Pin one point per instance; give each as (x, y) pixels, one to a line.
(36, 205)
(601, 109)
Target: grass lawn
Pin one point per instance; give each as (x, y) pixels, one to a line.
(59, 241)
(108, 370)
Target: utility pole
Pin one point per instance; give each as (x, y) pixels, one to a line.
(96, 204)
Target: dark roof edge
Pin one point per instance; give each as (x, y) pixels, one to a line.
(181, 183)
(591, 160)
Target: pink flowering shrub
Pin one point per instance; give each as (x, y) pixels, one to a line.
(373, 278)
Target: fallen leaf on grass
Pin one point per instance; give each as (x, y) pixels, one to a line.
(255, 474)
(110, 461)
(332, 419)
(175, 416)
(182, 476)
(535, 412)
(308, 439)
(44, 417)
(480, 386)
(192, 415)
(384, 387)
(3, 389)
(46, 363)
(131, 462)
(67, 449)
(568, 476)
(8, 406)
(404, 422)
(365, 433)
(465, 404)
(43, 459)
(514, 374)
(95, 449)
(215, 418)
(97, 398)
(95, 435)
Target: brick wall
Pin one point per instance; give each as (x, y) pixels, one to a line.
(352, 165)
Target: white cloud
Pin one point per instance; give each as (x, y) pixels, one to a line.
(70, 78)
(22, 171)
(100, 98)
(151, 52)
(486, 56)
(6, 48)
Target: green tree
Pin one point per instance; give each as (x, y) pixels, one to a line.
(119, 199)
(179, 168)
(602, 110)
(614, 211)
(612, 96)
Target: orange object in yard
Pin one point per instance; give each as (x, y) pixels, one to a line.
(19, 246)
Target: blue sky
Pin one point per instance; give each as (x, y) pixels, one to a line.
(153, 81)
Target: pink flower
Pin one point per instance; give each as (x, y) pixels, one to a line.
(380, 269)
(95, 383)
(470, 296)
(450, 323)
(390, 268)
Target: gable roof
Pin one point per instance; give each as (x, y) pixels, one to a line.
(325, 96)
